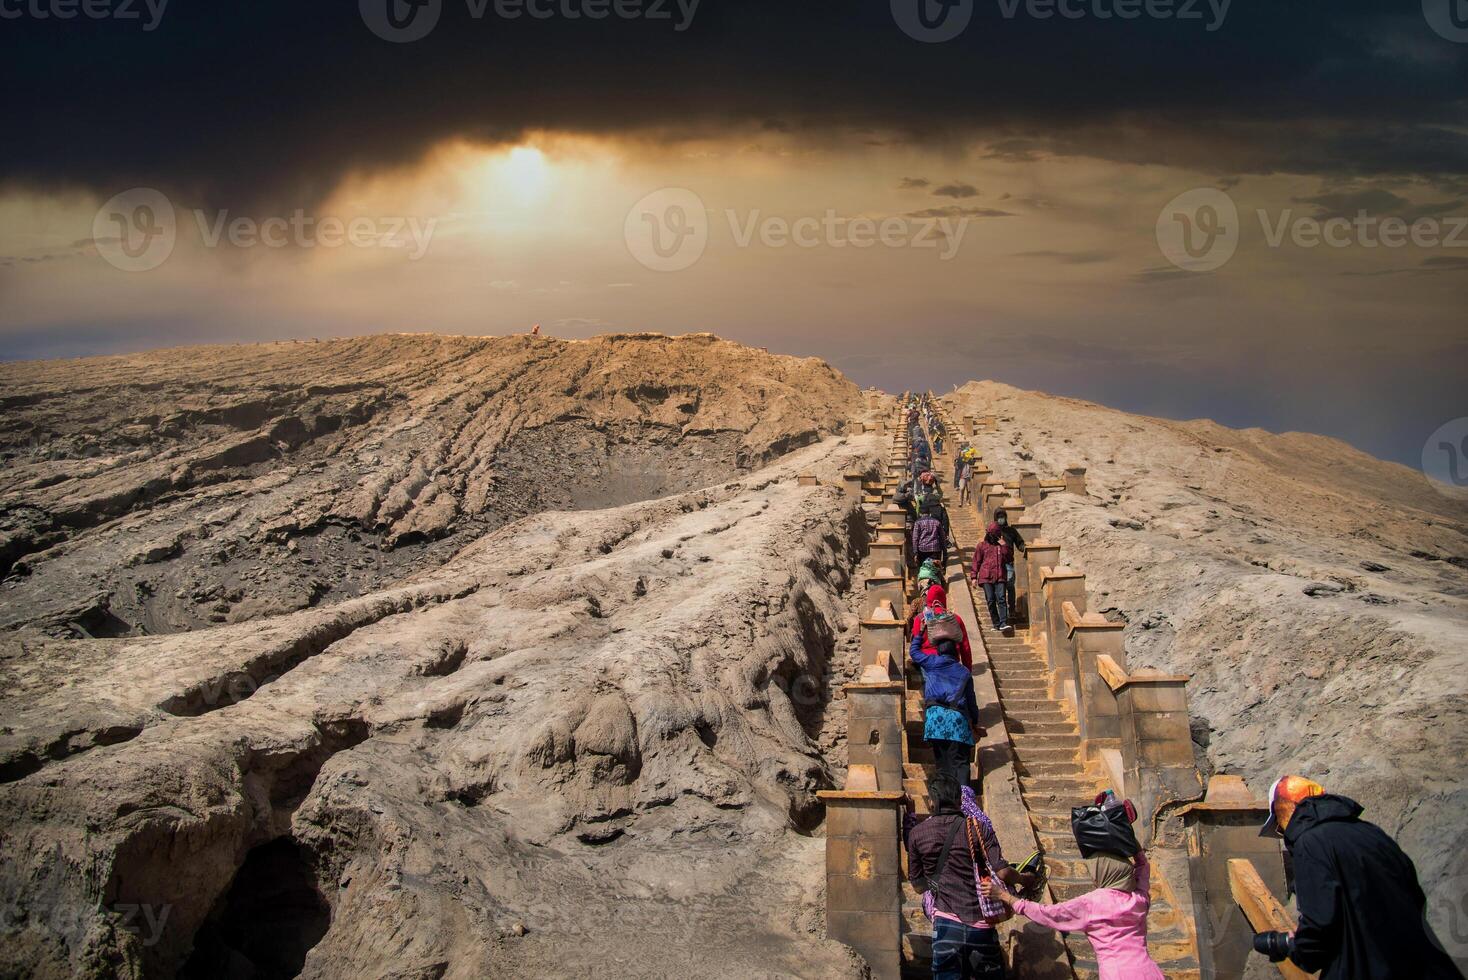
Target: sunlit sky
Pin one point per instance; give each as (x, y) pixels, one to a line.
(1124, 210)
(1056, 281)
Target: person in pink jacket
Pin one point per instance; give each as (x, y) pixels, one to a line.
(1113, 916)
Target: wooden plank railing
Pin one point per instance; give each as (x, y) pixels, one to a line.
(1261, 908)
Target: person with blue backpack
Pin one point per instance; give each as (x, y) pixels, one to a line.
(950, 707)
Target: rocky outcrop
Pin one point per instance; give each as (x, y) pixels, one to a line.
(575, 745)
(172, 490)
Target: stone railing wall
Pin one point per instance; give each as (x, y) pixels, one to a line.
(1134, 724)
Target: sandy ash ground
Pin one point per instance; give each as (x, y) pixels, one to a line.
(1318, 597)
(492, 736)
(422, 656)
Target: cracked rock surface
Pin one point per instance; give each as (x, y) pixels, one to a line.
(167, 491)
(572, 730)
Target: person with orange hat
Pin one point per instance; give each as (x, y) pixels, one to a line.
(1362, 910)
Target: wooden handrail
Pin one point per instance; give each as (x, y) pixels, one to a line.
(1111, 672)
(1261, 908)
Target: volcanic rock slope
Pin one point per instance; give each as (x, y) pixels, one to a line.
(445, 729)
(1318, 597)
(170, 490)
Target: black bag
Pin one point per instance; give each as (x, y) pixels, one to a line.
(1103, 829)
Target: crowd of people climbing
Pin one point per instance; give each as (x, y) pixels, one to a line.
(1361, 909)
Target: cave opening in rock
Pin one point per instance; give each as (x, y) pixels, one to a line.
(266, 922)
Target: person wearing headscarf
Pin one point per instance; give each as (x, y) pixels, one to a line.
(1113, 915)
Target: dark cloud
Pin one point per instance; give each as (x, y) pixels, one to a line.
(1068, 258)
(955, 211)
(1429, 266)
(1376, 202)
(1015, 150)
(234, 101)
(1162, 273)
(956, 190)
(912, 183)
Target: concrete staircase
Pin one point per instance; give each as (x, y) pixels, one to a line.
(1052, 775)
(1052, 780)
(1035, 764)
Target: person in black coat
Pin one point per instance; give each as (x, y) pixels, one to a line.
(1362, 911)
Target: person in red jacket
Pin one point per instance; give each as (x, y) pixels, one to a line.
(990, 559)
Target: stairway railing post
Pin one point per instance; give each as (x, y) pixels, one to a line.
(1029, 488)
(864, 875)
(1061, 586)
(1224, 827)
(1029, 532)
(1096, 710)
(1040, 556)
(1156, 744)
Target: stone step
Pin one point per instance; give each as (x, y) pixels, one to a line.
(1028, 688)
(1022, 705)
(1028, 713)
(1041, 769)
(1031, 754)
(1081, 789)
(1027, 676)
(1062, 726)
(1004, 662)
(1016, 678)
(1046, 740)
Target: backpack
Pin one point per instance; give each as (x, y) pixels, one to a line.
(943, 626)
